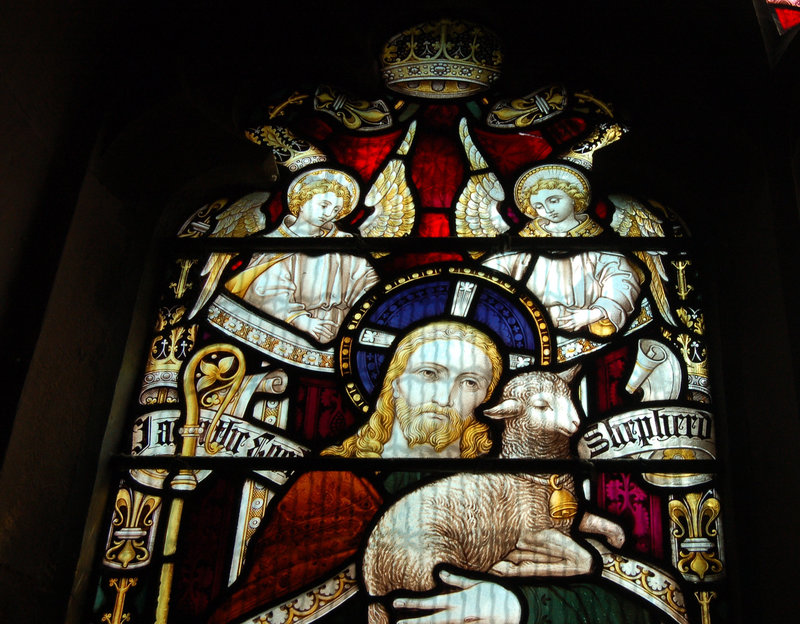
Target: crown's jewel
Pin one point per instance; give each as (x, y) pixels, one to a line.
(442, 59)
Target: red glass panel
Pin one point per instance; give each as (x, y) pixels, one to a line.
(437, 170)
(201, 572)
(275, 208)
(364, 153)
(320, 414)
(510, 152)
(601, 209)
(434, 224)
(789, 18)
(565, 129)
(441, 116)
(611, 368)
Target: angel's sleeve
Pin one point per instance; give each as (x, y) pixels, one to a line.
(511, 263)
(360, 279)
(619, 287)
(275, 290)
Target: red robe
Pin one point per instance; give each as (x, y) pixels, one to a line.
(313, 531)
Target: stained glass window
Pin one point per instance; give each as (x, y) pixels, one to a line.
(432, 375)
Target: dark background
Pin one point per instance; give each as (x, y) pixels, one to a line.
(119, 119)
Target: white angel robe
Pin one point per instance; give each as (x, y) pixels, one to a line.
(288, 285)
(592, 279)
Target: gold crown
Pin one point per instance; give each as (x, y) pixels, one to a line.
(442, 59)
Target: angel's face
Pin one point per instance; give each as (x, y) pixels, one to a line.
(320, 209)
(553, 205)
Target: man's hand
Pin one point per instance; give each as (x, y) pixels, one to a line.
(322, 330)
(474, 602)
(574, 319)
(546, 553)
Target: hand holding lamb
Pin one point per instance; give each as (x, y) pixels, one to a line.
(497, 523)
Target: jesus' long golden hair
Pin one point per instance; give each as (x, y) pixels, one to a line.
(371, 438)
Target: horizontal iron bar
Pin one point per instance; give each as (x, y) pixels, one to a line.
(418, 245)
(484, 464)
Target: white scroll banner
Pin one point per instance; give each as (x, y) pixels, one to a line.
(657, 372)
(154, 435)
(668, 432)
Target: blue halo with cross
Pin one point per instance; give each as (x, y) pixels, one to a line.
(478, 297)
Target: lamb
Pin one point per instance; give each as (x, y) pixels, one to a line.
(504, 524)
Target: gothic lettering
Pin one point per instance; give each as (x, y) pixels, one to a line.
(648, 429)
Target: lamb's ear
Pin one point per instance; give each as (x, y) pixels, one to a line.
(570, 374)
(507, 409)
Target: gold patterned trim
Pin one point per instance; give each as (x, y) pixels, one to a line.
(704, 598)
(586, 228)
(654, 585)
(170, 347)
(258, 332)
(289, 150)
(603, 135)
(313, 604)
(254, 503)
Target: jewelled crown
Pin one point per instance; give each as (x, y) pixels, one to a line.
(442, 59)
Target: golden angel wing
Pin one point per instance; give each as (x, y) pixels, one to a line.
(393, 203)
(658, 276)
(477, 208)
(477, 211)
(476, 159)
(241, 219)
(632, 219)
(391, 197)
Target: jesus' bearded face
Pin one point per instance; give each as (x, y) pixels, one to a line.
(438, 391)
(429, 424)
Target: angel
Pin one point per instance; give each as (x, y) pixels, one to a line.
(593, 290)
(311, 293)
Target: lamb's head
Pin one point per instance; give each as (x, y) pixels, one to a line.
(539, 414)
